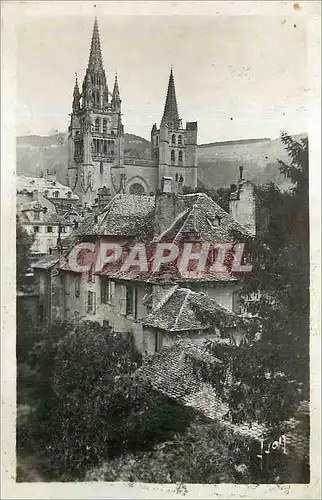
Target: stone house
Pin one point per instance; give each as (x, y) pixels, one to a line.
(156, 308)
(40, 218)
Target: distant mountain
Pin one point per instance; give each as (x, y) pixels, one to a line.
(40, 153)
(218, 162)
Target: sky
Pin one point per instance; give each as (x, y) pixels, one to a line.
(239, 76)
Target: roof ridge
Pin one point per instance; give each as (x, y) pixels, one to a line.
(167, 295)
(181, 308)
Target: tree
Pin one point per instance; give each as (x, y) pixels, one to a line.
(275, 369)
(90, 404)
(24, 242)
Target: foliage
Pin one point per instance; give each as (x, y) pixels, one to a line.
(24, 242)
(89, 404)
(274, 368)
(202, 454)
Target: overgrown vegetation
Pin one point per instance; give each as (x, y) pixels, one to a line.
(84, 414)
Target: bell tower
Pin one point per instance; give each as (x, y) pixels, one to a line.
(95, 133)
(175, 147)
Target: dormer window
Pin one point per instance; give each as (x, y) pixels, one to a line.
(69, 194)
(56, 194)
(216, 221)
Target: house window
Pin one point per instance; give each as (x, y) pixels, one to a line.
(173, 156)
(179, 140)
(91, 275)
(97, 125)
(173, 140)
(107, 291)
(56, 194)
(36, 229)
(104, 126)
(158, 341)
(77, 286)
(91, 302)
(180, 157)
(37, 215)
(69, 194)
(131, 301)
(49, 229)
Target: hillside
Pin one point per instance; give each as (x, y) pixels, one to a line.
(218, 161)
(38, 153)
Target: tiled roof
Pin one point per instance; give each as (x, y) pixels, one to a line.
(46, 262)
(203, 216)
(41, 184)
(126, 215)
(182, 310)
(170, 371)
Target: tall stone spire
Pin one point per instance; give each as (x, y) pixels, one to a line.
(170, 114)
(95, 62)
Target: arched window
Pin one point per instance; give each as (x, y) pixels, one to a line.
(156, 154)
(101, 168)
(173, 156)
(137, 189)
(179, 140)
(104, 126)
(112, 133)
(157, 140)
(56, 194)
(173, 140)
(180, 158)
(97, 125)
(105, 147)
(176, 177)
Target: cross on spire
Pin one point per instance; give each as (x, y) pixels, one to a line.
(170, 114)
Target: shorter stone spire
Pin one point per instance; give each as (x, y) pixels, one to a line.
(170, 114)
(116, 90)
(116, 99)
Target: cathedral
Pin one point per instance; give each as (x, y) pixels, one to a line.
(97, 165)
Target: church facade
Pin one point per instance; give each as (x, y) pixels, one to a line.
(97, 166)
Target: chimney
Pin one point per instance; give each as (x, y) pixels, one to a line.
(103, 198)
(168, 206)
(242, 205)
